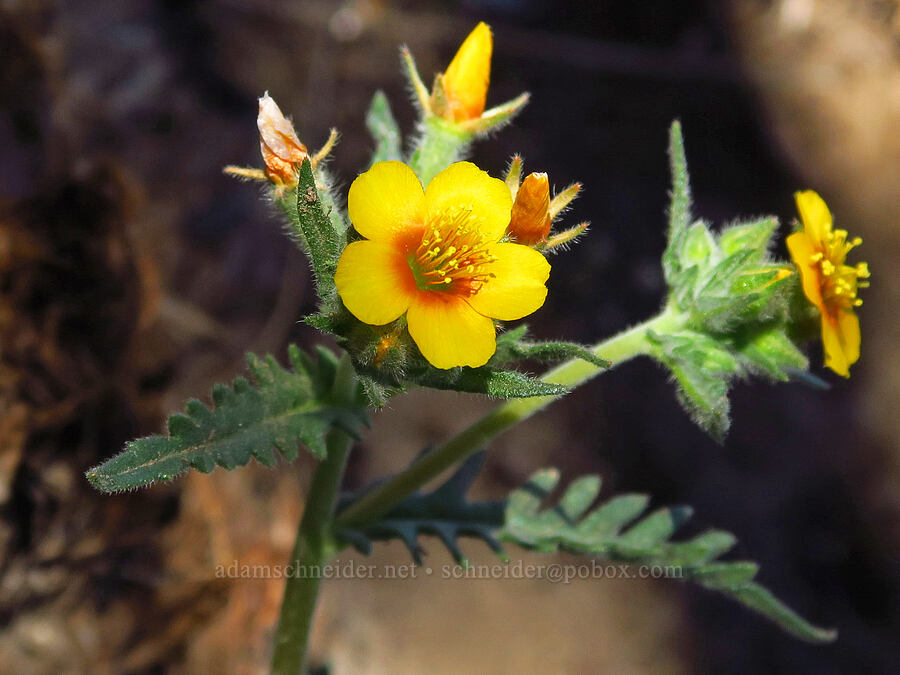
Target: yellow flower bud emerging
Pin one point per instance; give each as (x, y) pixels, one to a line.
(530, 220)
(281, 150)
(465, 84)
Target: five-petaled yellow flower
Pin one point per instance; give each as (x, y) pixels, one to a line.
(437, 256)
(819, 253)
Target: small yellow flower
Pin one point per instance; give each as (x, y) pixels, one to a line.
(819, 253)
(530, 221)
(436, 256)
(282, 151)
(465, 84)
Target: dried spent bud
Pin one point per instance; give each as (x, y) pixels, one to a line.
(282, 151)
(530, 219)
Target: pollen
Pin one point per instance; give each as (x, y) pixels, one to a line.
(839, 282)
(453, 255)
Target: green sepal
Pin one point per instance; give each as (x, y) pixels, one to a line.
(703, 368)
(615, 531)
(324, 242)
(699, 248)
(768, 351)
(444, 513)
(384, 130)
(755, 235)
(679, 209)
(247, 420)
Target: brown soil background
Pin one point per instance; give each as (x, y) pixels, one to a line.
(133, 275)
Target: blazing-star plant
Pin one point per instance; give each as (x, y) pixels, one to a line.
(415, 279)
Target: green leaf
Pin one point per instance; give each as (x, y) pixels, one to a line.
(383, 127)
(679, 207)
(703, 368)
(753, 235)
(324, 242)
(444, 513)
(511, 347)
(647, 542)
(283, 408)
(486, 380)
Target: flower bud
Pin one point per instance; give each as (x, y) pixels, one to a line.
(282, 151)
(465, 84)
(530, 218)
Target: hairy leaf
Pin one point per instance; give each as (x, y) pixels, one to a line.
(511, 347)
(324, 242)
(383, 127)
(283, 408)
(616, 531)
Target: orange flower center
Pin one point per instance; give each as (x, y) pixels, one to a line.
(839, 282)
(452, 255)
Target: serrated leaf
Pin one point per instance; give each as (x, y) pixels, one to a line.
(647, 542)
(444, 513)
(282, 409)
(754, 235)
(324, 242)
(383, 127)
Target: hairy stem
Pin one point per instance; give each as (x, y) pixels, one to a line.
(622, 347)
(314, 545)
(313, 548)
(440, 144)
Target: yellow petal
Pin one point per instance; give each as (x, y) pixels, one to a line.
(841, 341)
(518, 286)
(468, 75)
(464, 186)
(448, 332)
(801, 249)
(815, 215)
(374, 281)
(848, 330)
(386, 200)
(835, 358)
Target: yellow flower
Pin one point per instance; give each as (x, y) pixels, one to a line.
(465, 84)
(530, 221)
(436, 255)
(282, 151)
(819, 253)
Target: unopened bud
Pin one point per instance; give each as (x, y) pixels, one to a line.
(530, 219)
(465, 84)
(282, 151)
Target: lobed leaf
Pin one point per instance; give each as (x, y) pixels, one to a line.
(605, 532)
(444, 513)
(283, 408)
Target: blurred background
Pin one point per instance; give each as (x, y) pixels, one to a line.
(133, 275)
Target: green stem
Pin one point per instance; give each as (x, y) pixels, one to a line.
(440, 144)
(315, 544)
(313, 548)
(626, 345)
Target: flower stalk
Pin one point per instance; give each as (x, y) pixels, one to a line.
(573, 373)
